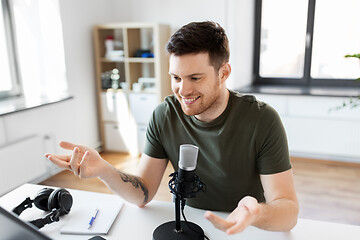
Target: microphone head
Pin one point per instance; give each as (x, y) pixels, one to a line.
(188, 157)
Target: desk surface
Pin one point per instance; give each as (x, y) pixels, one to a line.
(139, 223)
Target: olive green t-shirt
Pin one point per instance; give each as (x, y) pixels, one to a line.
(246, 140)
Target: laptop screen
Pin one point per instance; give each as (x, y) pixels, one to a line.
(13, 228)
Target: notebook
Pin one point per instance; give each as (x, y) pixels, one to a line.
(108, 206)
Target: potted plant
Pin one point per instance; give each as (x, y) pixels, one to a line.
(354, 101)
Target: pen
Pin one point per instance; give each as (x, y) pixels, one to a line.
(93, 218)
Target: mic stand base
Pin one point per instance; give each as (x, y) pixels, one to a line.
(168, 231)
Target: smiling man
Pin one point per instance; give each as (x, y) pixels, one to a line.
(243, 153)
(243, 157)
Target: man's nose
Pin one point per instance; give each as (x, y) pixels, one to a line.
(185, 88)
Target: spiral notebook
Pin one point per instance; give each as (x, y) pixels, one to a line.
(109, 207)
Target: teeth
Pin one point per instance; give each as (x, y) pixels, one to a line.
(189, 99)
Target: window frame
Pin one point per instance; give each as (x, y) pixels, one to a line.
(306, 80)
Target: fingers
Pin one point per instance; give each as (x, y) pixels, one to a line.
(238, 227)
(75, 161)
(58, 161)
(243, 219)
(217, 221)
(67, 145)
(244, 215)
(65, 158)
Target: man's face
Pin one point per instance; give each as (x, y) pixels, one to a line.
(195, 84)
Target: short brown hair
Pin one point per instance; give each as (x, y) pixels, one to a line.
(197, 37)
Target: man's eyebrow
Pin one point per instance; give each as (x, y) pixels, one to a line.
(191, 75)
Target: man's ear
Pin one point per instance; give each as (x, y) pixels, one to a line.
(224, 72)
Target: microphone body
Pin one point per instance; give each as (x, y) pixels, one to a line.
(185, 184)
(186, 172)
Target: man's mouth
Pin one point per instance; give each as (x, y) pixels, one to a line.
(190, 100)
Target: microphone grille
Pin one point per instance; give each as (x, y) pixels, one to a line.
(188, 157)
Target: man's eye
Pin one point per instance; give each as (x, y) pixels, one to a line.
(195, 78)
(176, 78)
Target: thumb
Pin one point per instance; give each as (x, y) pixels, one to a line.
(250, 203)
(83, 165)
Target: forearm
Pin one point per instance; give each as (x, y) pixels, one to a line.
(130, 187)
(278, 215)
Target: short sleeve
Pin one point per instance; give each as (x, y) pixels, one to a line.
(272, 146)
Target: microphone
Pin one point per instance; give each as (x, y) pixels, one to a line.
(184, 184)
(186, 175)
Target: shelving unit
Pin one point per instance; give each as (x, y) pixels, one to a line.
(124, 110)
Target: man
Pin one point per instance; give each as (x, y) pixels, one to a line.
(243, 154)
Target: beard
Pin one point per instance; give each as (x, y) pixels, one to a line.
(204, 104)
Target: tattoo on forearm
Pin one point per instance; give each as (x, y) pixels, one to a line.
(137, 183)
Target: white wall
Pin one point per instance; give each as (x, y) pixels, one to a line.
(315, 129)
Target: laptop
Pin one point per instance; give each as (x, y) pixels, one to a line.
(13, 228)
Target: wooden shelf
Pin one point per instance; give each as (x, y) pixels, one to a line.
(140, 60)
(118, 121)
(112, 60)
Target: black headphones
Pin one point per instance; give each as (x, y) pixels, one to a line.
(58, 202)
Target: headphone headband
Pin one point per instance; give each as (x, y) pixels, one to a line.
(58, 202)
(27, 203)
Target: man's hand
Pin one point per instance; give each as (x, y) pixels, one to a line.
(84, 162)
(243, 216)
(279, 213)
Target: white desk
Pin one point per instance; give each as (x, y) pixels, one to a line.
(139, 223)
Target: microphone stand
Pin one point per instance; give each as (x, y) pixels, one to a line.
(177, 215)
(178, 230)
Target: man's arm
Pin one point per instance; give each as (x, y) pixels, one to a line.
(86, 162)
(140, 188)
(279, 213)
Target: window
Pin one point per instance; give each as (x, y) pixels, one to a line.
(303, 43)
(9, 85)
(31, 35)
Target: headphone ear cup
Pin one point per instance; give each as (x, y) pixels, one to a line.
(42, 198)
(60, 199)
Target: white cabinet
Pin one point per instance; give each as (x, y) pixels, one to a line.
(114, 106)
(141, 134)
(142, 106)
(314, 129)
(141, 109)
(114, 138)
(120, 130)
(125, 117)
(108, 106)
